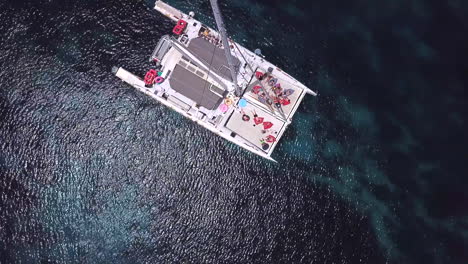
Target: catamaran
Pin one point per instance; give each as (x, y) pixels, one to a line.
(220, 85)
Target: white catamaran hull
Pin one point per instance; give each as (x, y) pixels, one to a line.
(183, 64)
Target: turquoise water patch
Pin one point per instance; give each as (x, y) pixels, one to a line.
(299, 141)
(359, 116)
(332, 149)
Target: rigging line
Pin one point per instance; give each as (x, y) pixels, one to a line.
(243, 77)
(246, 61)
(280, 110)
(223, 34)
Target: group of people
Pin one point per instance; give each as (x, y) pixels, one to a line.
(211, 38)
(267, 128)
(280, 96)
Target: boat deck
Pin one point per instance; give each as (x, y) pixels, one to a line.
(198, 85)
(294, 98)
(211, 55)
(194, 87)
(254, 133)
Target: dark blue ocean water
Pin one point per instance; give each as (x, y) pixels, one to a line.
(373, 170)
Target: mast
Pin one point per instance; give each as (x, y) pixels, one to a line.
(227, 49)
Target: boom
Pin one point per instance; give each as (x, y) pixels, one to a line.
(227, 49)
